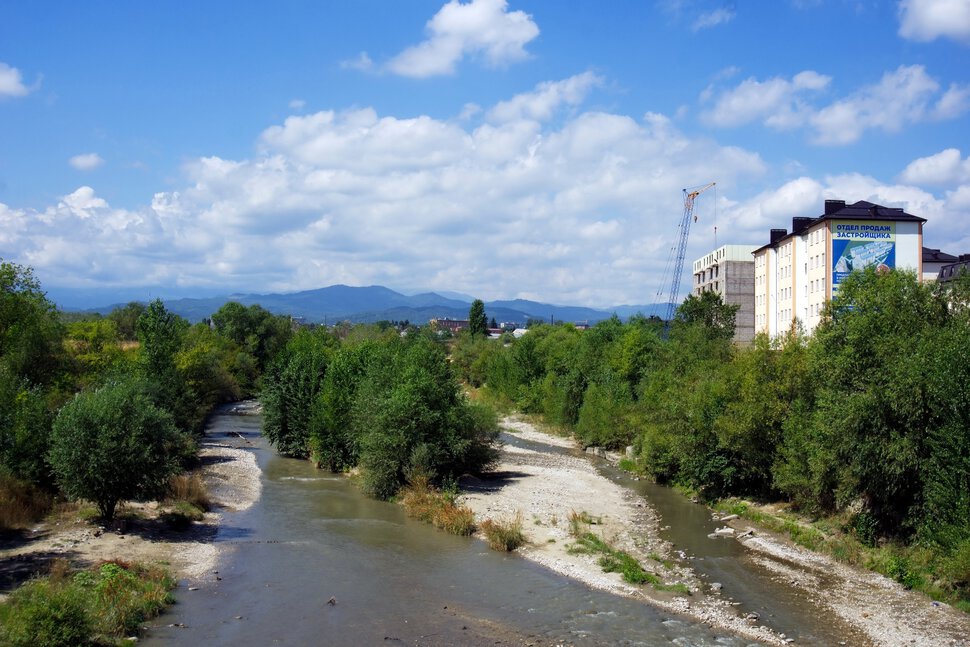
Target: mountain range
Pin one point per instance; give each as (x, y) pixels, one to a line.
(377, 303)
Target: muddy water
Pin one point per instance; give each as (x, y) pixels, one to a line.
(312, 537)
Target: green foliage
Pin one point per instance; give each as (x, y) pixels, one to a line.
(30, 332)
(48, 614)
(126, 318)
(254, 330)
(106, 603)
(708, 311)
(293, 383)
(477, 322)
(387, 404)
(114, 444)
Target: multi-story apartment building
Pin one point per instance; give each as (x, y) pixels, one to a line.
(729, 271)
(797, 272)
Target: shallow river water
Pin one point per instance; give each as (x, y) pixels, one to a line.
(312, 536)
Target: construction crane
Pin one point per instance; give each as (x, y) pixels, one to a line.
(689, 197)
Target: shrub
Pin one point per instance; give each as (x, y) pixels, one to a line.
(189, 488)
(425, 503)
(42, 613)
(504, 535)
(20, 503)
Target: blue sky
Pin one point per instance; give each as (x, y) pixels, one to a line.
(501, 149)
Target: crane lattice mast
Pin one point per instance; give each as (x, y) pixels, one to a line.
(689, 198)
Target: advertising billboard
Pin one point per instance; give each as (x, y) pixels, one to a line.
(857, 244)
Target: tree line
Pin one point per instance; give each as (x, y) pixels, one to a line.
(376, 401)
(108, 408)
(868, 418)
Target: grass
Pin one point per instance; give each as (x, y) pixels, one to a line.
(504, 535)
(943, 575)
(439, 508)
(21, 504)
(191, 489)
(102, 605)
(613, 560)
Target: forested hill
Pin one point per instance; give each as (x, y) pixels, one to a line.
(376, 303)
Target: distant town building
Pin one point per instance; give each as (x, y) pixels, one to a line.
(451, 325)
(729, 272)
(933, 261)
(953, 270)
(797, 272)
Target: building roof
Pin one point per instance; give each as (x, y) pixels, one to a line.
(931, 255)
(839, 210)
(953, 270)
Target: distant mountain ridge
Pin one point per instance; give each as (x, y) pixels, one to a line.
(376, 303)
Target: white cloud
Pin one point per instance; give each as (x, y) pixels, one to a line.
(479, 28)
(953, 103)
(945, 168)
(713, 18)
(926, 20)
(362, 63)
(297, 104)
(86, 161)
(581, 210)
(12, 83)
(777, 102)
(901, 97)
(904, 96)
(541, 103)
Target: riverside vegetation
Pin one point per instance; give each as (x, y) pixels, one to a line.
(863, 429)
(107, 409)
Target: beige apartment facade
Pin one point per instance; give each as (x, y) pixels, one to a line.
(798, 271)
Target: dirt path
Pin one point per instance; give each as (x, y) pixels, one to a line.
(545, 487)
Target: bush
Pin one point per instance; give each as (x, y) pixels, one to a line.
(21, 504)
(189, 488)
(425, 503)
(504, 535)
(46, 614)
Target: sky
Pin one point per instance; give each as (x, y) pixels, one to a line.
(503, 149)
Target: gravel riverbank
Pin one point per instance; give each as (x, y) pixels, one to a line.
(544, 487)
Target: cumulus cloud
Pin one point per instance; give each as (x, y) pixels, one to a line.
(483, 28)
(944, 168)
(86, 161)
(579, 210)
(926, 20)
(12, 82)
(777, 102)
(545, 99)
(903, 96)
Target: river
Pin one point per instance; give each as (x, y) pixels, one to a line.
(312, 538)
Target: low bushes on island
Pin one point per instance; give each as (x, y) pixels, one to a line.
(440, 508)
(505, 534)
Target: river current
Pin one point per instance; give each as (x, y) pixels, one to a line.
(314, 562)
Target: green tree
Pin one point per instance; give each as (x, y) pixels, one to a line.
(477, 322)
(114, 444)
(708, 310)
(291, 387)
(30, 333)
(875, 408)
(125, 319)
